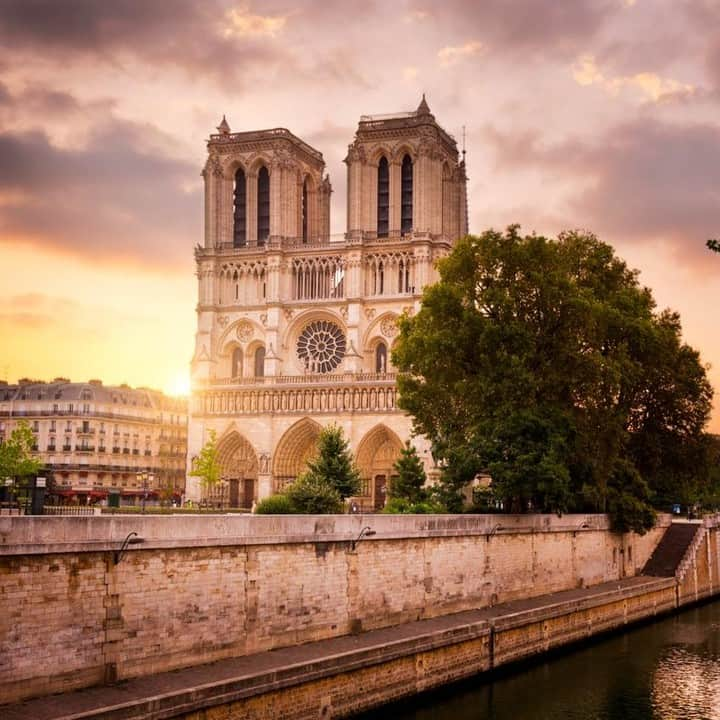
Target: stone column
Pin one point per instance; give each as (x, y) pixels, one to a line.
(355, 160)
(435, 224)
(276, 197)
(353, 276)
(419, 193)
(265, 487)
(209, 229)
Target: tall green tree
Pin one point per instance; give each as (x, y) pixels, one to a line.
(333, 465)
(545, 363)
(16, 458)
(409, 481)
(206, 465)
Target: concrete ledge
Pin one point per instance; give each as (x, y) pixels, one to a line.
(28, 535)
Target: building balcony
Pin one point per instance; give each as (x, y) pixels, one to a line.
(49, 412)
(335, 243)
(311, 379)
(85, 448)
(86, 433)
(66, 448)
(303, 394)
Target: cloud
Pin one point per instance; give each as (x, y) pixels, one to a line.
(525, 27)
(230, 45)
(233, 46)
(449, 56)
(642, 181)
(120, 196)
(648, 84)
(28, 320)
(242, 23)
(416, 16)
(410, 72)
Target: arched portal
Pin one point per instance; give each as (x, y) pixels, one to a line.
(296, 447)
(239, 472)
(376, 455)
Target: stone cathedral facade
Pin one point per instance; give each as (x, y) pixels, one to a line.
(295, 326)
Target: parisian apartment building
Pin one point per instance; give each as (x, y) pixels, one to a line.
(96, 440)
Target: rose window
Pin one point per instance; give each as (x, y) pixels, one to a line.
(321, 346)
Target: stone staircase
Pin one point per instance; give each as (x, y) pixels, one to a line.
(672, 550)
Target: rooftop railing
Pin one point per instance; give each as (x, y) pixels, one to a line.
(308, 379)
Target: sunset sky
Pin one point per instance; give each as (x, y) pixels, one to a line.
(600, 114)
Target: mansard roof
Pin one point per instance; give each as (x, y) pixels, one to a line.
(61, 390)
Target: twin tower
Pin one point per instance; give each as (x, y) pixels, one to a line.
(296, 326)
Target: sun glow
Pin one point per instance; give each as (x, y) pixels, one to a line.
(178, 385)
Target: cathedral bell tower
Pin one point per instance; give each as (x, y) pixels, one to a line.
(295, 326)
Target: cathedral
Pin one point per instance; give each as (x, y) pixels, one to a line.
(295, 327)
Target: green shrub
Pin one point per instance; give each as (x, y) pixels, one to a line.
(312, 495)
(275, 505)
(402, 506)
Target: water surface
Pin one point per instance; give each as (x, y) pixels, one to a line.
(668, 670)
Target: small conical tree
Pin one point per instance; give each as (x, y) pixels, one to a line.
(334, 464)
(410, 479)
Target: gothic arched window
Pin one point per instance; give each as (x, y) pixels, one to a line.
(263, 206)
(305, 211)
(383, 198)
(239, 215)
(237, 363)
(406, 195)
(260, 362)
(381, 358)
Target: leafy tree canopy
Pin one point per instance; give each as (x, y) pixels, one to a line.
(546, 364)
(206, 465)
(16, 460)
(714, 245)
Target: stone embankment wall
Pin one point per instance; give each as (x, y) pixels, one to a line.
(200, 589)
(698, 576)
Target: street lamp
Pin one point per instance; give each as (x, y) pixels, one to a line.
(132, 538)
(367, 531)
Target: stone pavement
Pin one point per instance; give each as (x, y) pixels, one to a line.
(172, 693)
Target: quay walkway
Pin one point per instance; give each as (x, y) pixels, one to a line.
(225, 685)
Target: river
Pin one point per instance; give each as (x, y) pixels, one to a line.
(668, 670)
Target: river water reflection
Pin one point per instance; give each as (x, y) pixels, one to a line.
(669, 670)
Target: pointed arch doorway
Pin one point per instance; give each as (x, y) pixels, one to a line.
(239, 470)
(296, 447)
(376, 456)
